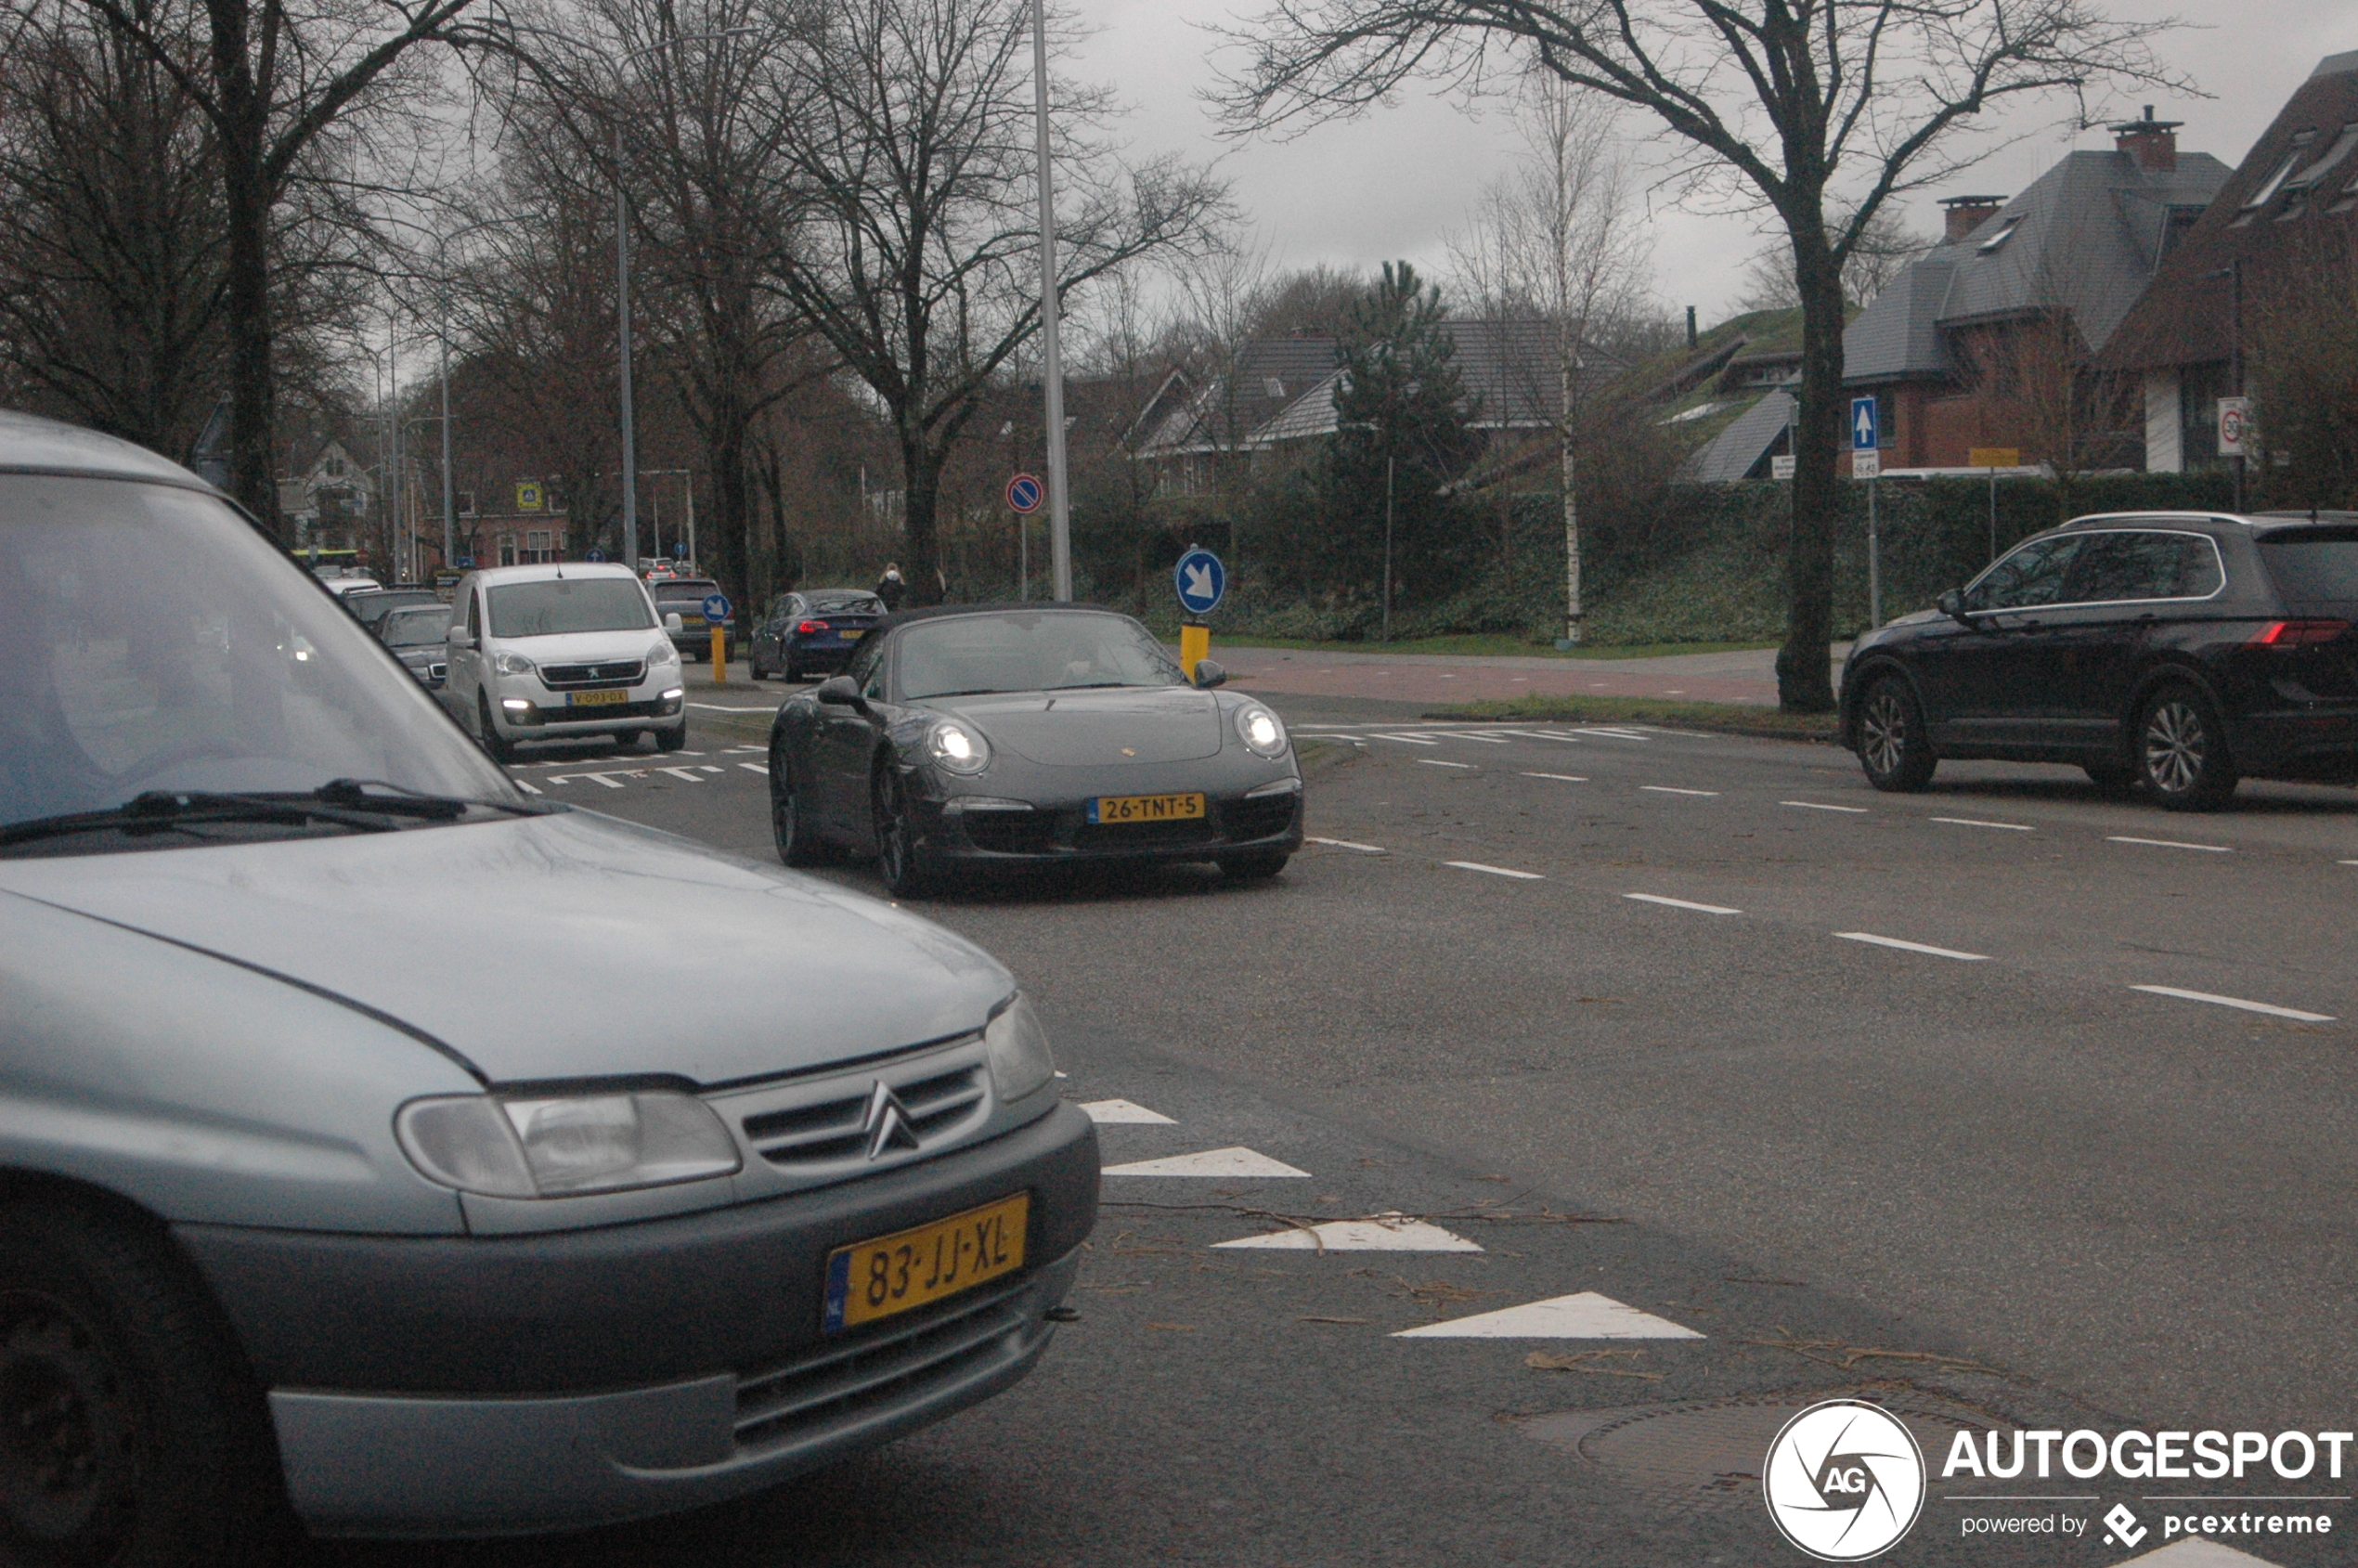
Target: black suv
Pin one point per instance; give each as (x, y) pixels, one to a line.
(2177, 651)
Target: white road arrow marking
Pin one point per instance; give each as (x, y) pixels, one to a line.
(1211, 1163)
(1385, 1233)
(1584, 1317)
(1121, 1112)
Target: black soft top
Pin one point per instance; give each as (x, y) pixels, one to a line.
(1002, 606)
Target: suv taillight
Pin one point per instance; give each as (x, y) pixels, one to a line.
(2297, 634)
(807, 628)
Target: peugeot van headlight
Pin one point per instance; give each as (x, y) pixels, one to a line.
(1259, 730)
(957, 747)
(507, 663)
(1018, 1049)
(565, 1145)
(663, 653)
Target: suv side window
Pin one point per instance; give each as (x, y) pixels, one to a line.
(2140, 565)
(2031, 577)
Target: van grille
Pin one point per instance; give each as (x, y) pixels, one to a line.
(614, 672)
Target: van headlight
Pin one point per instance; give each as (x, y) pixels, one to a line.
(662, 653)
(1019, 1050)
(957, 747)
(565, 1145)
(507, 663)
(1259, 730)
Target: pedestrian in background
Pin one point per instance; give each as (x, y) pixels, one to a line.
(890, 587)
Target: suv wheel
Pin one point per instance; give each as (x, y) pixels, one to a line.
(129, 1431)
(502, 750)
(896, 839)
(1893, 747)
(2181, 751)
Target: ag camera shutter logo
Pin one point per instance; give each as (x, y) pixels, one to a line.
(1844, 1481)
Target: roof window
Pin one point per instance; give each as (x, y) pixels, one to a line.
(2005, 232)
(2267, 193)
(2311, 177)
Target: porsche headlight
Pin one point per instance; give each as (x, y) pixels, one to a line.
(954, 746)
(565, 1145)
(1019, 1050)
(507, 663)
(1259, 730)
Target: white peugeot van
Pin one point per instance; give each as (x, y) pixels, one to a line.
(562, 652)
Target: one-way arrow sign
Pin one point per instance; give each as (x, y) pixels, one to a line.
(1862, 424)
(1201, 580)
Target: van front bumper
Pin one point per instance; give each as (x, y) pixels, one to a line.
(508, 1384)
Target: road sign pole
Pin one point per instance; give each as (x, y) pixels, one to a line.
(1874, 557)
(1051, 372)
(720, 657)
(1387, 548)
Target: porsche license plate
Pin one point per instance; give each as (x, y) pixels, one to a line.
(597, 699)
(910, 1268)
(1144, 808)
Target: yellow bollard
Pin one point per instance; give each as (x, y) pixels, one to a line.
(720, 657)
(1195, 642)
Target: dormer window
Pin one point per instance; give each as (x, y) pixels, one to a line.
(2005, 232)
(2313, 175)
(1273, 386)
(2267, 193)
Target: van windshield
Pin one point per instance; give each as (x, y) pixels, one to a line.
(559, 606)
(152, 641)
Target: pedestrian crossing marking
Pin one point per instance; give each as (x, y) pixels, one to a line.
(1211, 1163)
(2196, 1552)
(1385, 1233)
(1122, 1112)
(1586, 1316)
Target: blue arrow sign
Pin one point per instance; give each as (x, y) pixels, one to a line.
(1201, 580)
(593, 555)
(1862, 425)
(716, 608)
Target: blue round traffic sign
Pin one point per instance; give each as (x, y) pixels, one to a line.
(593, 555)
(716, 608)
(1025, 493)
(1201, 580)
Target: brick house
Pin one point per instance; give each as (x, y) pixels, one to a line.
(2286, 212)
(1991, 339)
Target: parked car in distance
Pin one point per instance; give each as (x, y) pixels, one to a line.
(569, 651)
(811, 632)
(343, 583)
(293, 1230)
(968, 739)
(2174, 653)
(369, 607)
(684, 596)
(419, 635)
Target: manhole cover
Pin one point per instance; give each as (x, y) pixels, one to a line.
(1707, 1455)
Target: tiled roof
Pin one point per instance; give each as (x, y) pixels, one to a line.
(2086, 238)
(1744, 446)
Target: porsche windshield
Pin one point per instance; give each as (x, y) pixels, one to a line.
(1029, 651)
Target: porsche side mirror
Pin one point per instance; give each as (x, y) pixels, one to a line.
(1208, 675)
(672, 622)
(839, 690)
(1952, 604)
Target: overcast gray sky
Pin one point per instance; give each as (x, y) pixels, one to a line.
(1396, 182)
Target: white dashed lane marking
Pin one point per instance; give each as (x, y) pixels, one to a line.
(1672, 789)
(2168, 844)
(761, 768)
(1210, 1163)
(1913, 946)
(1681, 904)
(1406, 739)
(685, 775)
(1347, 844)
(1584, 1317)
(1817, 805)
(1976, 822)
(1114, 1113)
(1561, 777)
(1495, 871)
(526, 786)
(2237, 1002)
(1437, 762)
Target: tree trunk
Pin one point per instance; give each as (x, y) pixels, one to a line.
(247, 193)
(921, 556)
(1805, 681)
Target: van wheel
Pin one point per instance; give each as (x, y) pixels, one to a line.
(1893, 747)
(131, 1434)
(501, 750)
(2181, 751)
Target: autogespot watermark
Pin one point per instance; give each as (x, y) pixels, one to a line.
(1846, 1481)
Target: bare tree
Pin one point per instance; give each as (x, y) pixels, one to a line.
(1885, 249)
(1781, 102)
(914, 252)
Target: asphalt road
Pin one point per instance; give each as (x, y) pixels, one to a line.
(1860, 1091)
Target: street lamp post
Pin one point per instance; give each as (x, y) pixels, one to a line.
(1051, 355)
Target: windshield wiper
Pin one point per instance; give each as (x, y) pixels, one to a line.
(343, 802)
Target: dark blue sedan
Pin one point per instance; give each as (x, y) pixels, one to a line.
(812, 632)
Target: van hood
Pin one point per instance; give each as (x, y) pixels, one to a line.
(569, 945)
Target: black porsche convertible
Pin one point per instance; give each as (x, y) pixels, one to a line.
(972, 737)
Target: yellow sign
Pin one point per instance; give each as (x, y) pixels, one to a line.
(529, 495)
(1994, 457)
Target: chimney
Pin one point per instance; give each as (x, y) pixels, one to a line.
(1691, 327)
(1966, 213)
(2153, 143)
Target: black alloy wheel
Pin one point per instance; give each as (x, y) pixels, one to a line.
(1893, 747)
(130, 1433)
(502, 750)
(2181, 751)
(798, 845)
(1259, 866)
(897, 837)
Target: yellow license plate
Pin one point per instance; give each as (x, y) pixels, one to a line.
(855, 634)
(599, 699)
(1144, 808)
(897, 1273)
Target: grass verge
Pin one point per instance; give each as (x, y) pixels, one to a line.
(1728, 719)
(1490, 645)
